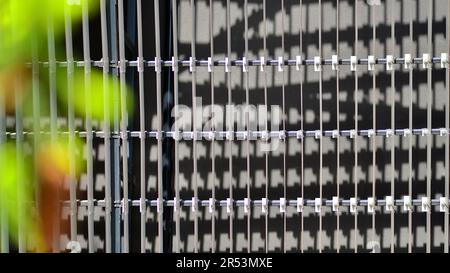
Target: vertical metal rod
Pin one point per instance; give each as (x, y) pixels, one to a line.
(115, 147)
(320, 127)
(374, 11)
(53, 111)
(143, 207)
(429, 136)
(213, 151)
(266, 153)
(302, 122)
(392, 142)
(20, 165)
(4, 236)
(230, 126)
(124, 125)
(175, 88)
(71, 123)
(159, 123)
(21, 207)
(36, 120)
(4, 230)
(247, 122)
(410, 138)
(194, 124)
(107, 126)
(355, 142)
(338, 158)
(88, 124)
(447, 140)
(284, 122)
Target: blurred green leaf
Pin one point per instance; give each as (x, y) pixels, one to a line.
(95, 94)
(12, 192)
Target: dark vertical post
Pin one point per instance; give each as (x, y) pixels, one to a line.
(115, 143)
(167, 105)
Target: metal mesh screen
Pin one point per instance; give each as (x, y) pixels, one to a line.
(287, 126)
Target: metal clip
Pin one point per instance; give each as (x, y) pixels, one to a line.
(443, 132)
(122, 67)
(226, 65)
(282, 135)
(444, 60)
(191, 64)
(229, 205)
(210, 64)
(246, 205)
(262, 63)
(299, 134)
(244, 64)
(244, 135)
(334, 134)
(264, 205)
(174, 65)
(298, 62)
(264, 135)
(371, 63)
(352, 133)
(280, 64)
(389, 133)
(210, 135)
(194, 204)
(353, 63)
(426, 61)
(370, 133)
(211, 205)
(334, 62)
(157, 64)
(406, 132)
(122, 204)
(282, 205)
(299, 204)
(176, 135)
(389, 62)
(158, 205)
(371, 205)
(90, 208)
(176, 204)
(317, 64)
(425, 204)
(141, 204)
(389, 203)
(140, 64)
(424, 132)
(443, 204)
(353, 205)
(317, 205)
(229, 135)
(335, 203)
(408, 61)
(407, 203)
(317, 134)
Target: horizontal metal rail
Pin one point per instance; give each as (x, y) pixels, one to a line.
(260, 202)
(242, 135)
(242, 62)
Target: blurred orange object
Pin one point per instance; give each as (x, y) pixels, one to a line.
(52, 173)
(14, 81)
